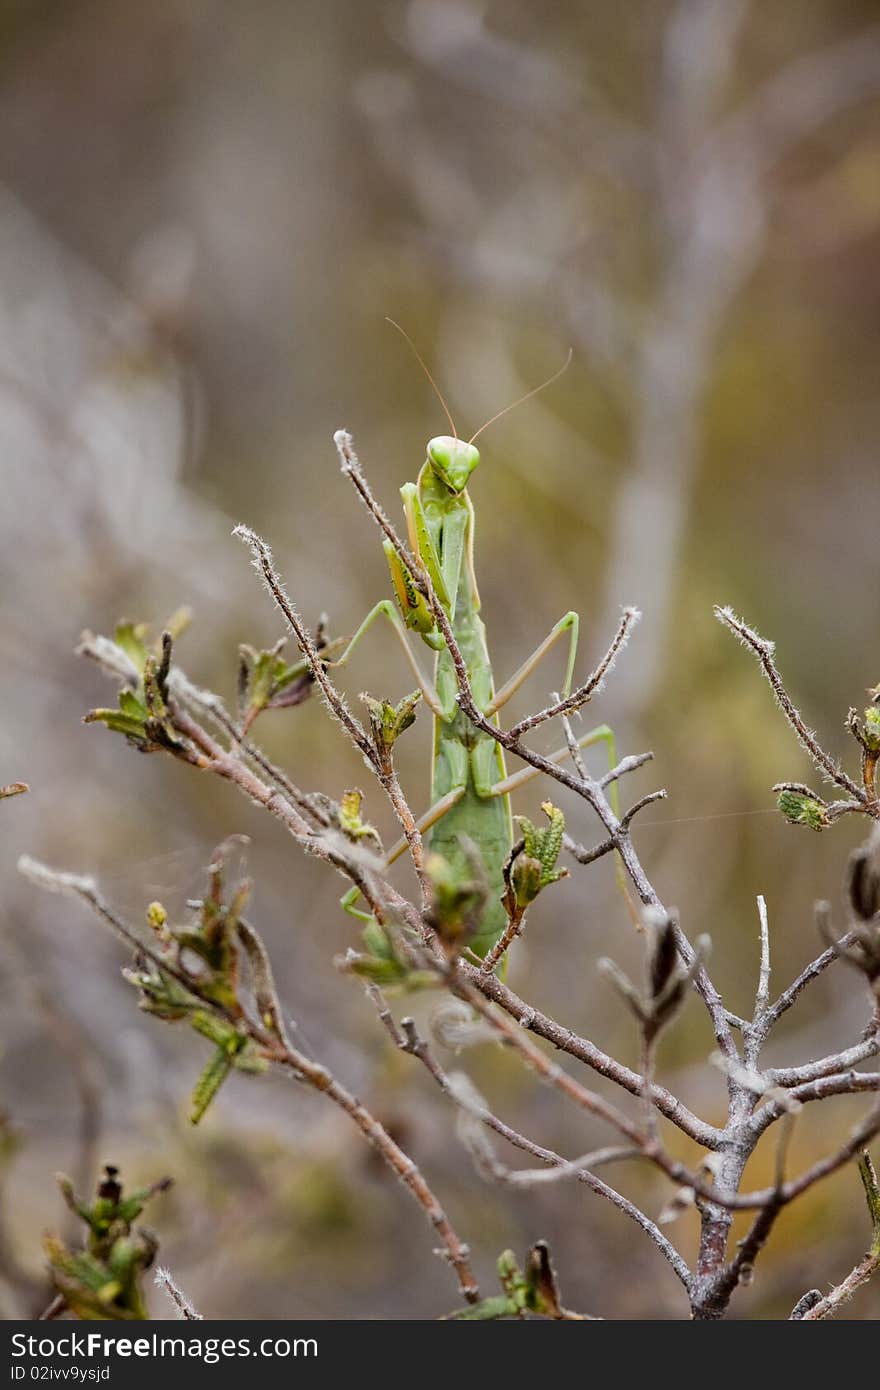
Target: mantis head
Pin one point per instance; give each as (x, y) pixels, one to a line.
(453, 461)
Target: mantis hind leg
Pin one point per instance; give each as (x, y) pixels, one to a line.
(431, 817)
(570, 624)
(603, 733)
(348, 903)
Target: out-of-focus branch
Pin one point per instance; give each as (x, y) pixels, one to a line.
(276, 1050)
(409, 1040)
(794, 102)
(764, 651)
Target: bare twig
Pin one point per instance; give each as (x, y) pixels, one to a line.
(587, 1052)
(591, 686)
(413, 1043)
(808, 974)
(764, 651)
(265, 566)
(182, 1305)
(827, 1066)
(762, 994)
(844, 1083)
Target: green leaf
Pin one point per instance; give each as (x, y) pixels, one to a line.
(387, 721)
(131, 706)
(498, 1306)
(377, 941)
(121, 723)
(217, 1030)
(132, 638)
(871, 728)
(349, 817)
(535, 869)
(161, 995)
(268, 676)
(802, 807)
(233, 1049)
(249, 1059)
(209, 1083)
(379, 961)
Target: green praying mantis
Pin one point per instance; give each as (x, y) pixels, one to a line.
(470, 809)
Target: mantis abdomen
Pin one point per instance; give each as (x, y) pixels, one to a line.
(481, 822)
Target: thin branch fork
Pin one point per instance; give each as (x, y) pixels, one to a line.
(826, 1066)
(781, 1193)
(562, 1038)
(550, 1072)
(646, 1146)
(408, 1039)
(844, 1083)
(786, 1192)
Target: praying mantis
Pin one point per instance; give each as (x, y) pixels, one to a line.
(470, 809)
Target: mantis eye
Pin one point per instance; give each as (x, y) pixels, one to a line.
(452, 460)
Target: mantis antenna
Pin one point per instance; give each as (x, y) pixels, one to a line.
(421, 361)
(527, 397)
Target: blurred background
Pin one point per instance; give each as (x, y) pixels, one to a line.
(206, 211)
